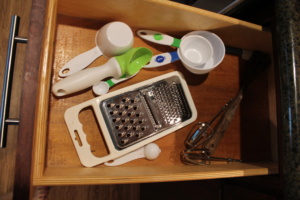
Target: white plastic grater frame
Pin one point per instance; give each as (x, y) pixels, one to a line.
(86, 157)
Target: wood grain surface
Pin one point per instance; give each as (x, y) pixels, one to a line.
(210, 92)
(209, 96)
(171, 17)
(55, 158)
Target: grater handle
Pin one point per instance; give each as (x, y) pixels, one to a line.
(79, 138)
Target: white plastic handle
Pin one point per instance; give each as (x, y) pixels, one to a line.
(86, 78)
(139, 153)
(162, 59)
(159, 38)
(102, 87)
(80, 62)
(150, 151)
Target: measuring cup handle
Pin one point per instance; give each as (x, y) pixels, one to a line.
(159, 38)
(80, 62)
(162, 59)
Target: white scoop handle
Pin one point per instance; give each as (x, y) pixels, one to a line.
(80, 62)
(86, 78)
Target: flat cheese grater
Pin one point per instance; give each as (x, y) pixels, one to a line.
(134, 116)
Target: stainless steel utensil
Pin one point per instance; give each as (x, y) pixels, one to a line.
(7, 82)
(139, 114)
(203, 139)
(134, 116)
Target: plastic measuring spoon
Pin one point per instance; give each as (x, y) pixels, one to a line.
(150, 151)
(162, 59)
(159, 38)
(199, 51)
(193, 50)
(127, 64)
(112, 39)
(103, 86)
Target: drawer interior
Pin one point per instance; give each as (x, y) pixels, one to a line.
(248, 137)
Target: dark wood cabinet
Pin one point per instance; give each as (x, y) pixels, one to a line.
(9, 8)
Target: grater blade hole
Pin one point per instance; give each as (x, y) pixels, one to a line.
(121, 134)
(138, 135)
(130, 134)
(124, 141)
(145, 111)
(110, 105)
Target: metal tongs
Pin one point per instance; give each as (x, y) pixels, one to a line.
(203, 140)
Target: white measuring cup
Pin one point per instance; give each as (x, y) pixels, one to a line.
(112, 39)
(217, 56)
(186, 52)
(195, 50)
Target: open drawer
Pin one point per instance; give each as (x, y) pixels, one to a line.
(70, 30)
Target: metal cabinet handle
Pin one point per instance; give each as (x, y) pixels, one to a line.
(7, 82)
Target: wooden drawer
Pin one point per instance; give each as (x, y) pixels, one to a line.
(70, 29)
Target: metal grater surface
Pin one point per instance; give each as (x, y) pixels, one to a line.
(139, 114)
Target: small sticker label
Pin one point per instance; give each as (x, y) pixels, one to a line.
(158, 36)
(160, 59)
